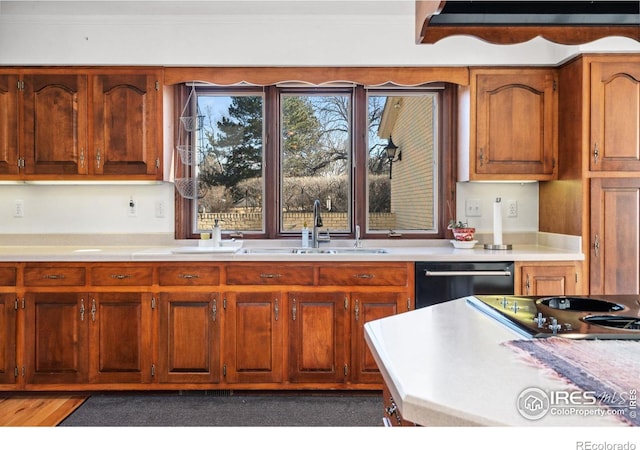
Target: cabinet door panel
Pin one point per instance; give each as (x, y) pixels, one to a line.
(56, 342)
(189, 342)
(54, 124)
(515, 123)
(124, 117)
(7, 338)
(8, 125)
(253, 344)
(549, 280)
(318, 347)
(120, 325)
(615, 116)
(615, 237)
(365, 308)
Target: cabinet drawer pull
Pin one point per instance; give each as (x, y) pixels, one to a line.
(270, 275)
(366, 276)
(121, 276)
(188, 276)
(53, 277)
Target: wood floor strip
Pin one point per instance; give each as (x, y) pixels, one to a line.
(38, 410)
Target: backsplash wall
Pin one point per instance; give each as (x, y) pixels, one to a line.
(484, 195)
(87, 209)
(96, 209)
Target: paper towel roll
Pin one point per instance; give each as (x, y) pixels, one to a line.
(497, 222)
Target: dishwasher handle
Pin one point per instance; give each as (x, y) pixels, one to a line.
(466, 273)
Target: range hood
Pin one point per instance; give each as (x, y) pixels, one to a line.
(510, 22)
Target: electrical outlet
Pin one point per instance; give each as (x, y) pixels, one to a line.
(132, 208)
(472, 208)
(18, 209)
(512, 208)
(160, 209)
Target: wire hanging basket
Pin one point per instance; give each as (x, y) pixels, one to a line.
(187, 187)
(189, 122)
(187, 154)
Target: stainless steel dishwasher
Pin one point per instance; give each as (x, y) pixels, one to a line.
(438, 282)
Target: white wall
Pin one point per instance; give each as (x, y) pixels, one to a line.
(238, 32)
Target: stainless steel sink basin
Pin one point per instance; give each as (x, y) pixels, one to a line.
(339, 251)
(314, 251)
(265, 251)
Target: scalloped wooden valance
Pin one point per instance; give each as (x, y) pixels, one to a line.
(366, 76)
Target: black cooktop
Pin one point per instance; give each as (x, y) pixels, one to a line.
(588, 317)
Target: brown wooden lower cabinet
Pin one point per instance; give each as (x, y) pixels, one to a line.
(120, 348)
(80, 338)
(254, 330)
(189, 338)
(7, 339)
(318, 337)
(549, 278)
(56, 344)
(215, 325)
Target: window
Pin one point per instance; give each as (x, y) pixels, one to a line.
(265, 154)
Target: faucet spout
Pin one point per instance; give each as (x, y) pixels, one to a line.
(317, 222)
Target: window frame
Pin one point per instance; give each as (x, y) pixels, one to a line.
(184, 216)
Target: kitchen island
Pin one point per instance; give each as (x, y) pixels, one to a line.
(446, 365)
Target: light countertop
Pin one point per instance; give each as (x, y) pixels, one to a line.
(445, 365)
(534, 247)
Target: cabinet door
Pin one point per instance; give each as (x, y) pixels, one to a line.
(366, 307)
(120, 334)
(125, 125)
(615, 236)
(189, 338)
(8, 124)
(253, 348)
(549, 280)
(7, 338)
(515, 124)
(318, 337)
(54, 126)
(56, 338)
(615, 116)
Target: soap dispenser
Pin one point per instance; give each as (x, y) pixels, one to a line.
(216, 234)
(305, 236)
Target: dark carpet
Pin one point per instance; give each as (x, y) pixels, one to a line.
(233, 410)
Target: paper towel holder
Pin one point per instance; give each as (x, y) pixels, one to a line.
(497, 235)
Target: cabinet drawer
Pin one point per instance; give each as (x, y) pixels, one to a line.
(363, 275)
(270, 274)
(54, 276)
(117, 275)
(8, 276)
(188, 275)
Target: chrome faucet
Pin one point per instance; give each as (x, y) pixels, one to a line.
(317, 222)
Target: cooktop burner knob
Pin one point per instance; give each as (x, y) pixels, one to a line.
(540, 320)
(554, 327)
(504, 302)
(515, 307)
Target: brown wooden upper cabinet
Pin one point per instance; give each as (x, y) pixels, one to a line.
(615, 116)
(510, 131)
(81, 123)
(8, 124)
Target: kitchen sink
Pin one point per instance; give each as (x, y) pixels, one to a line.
(313, 251)
(339, 251)
(581, 304)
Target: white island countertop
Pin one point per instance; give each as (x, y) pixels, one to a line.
(445, 366)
